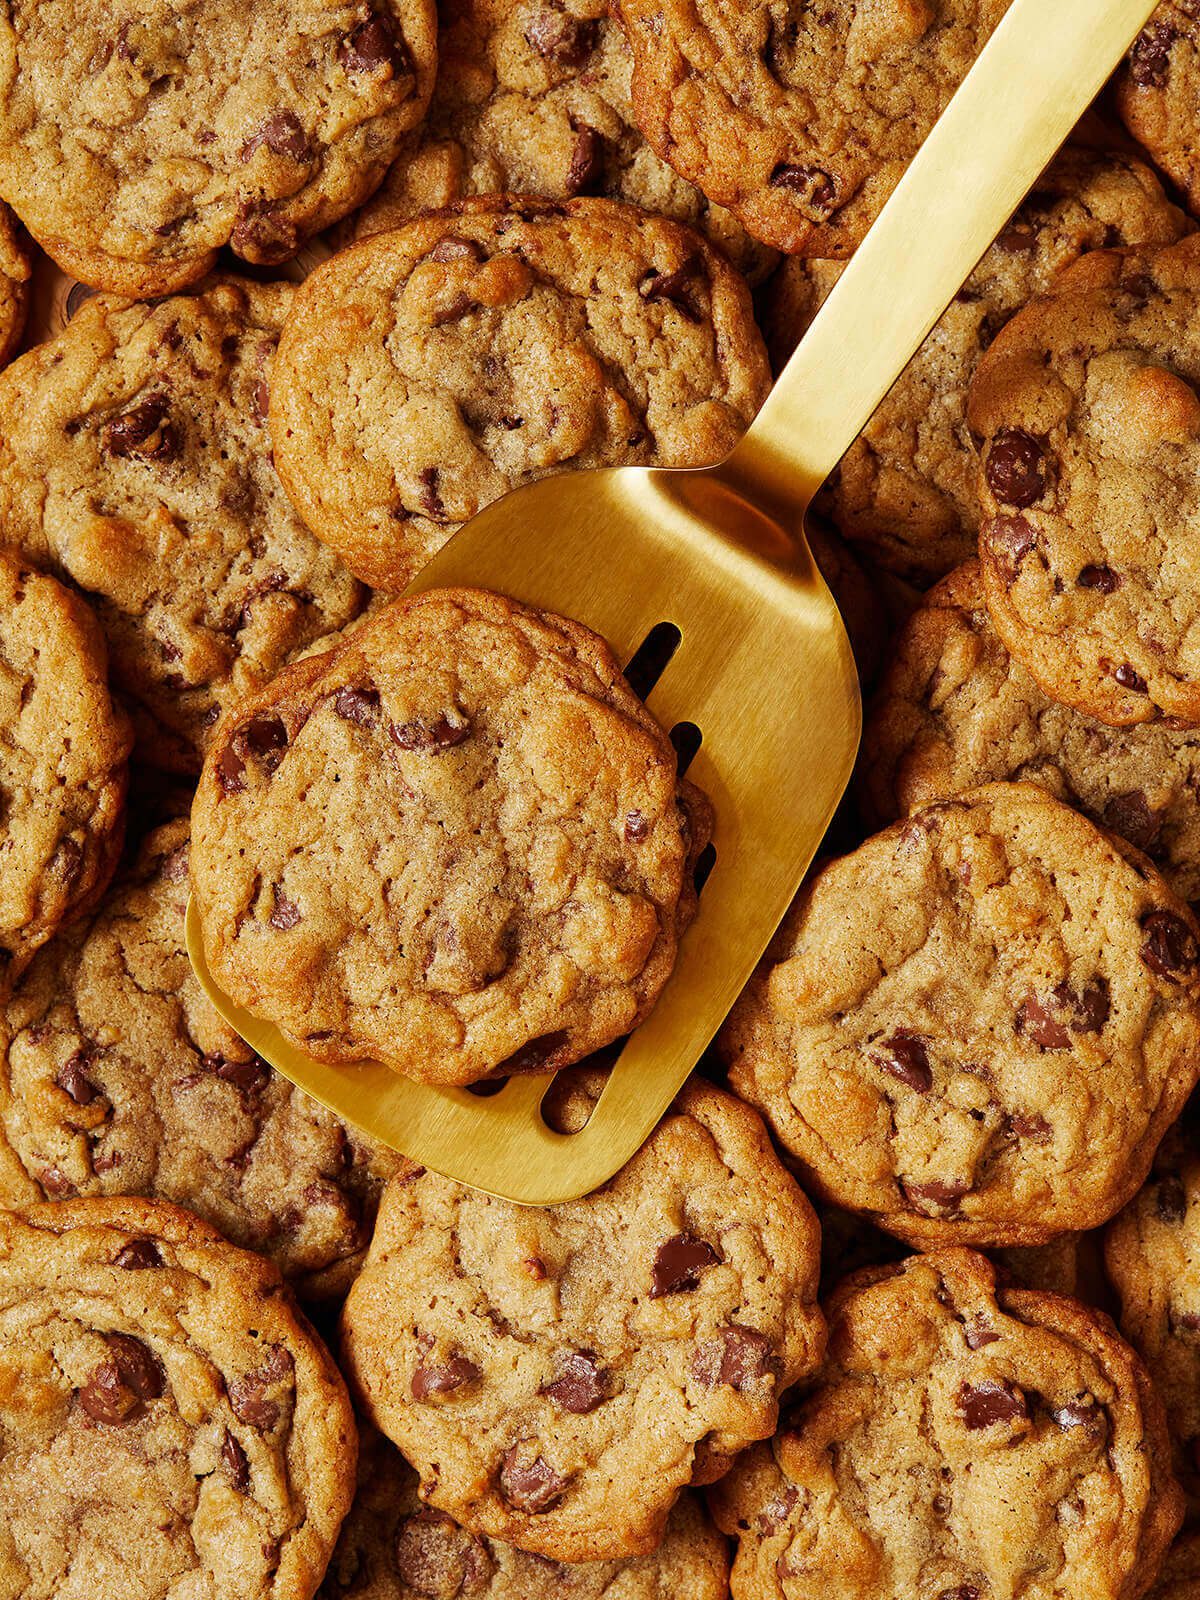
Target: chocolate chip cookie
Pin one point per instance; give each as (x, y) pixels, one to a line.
(64, 744)
(117, 1077)
(455, 843)
(534, 98)
(137, 136)
(15, 272)
(963, 1441)
(1180, 1575)
(423, 373)
(956, 710)
(558, 1376)
(1089, 417)
(978, 1026)
(1158, 92)
(800, 119)
(169, 1424)
(906, 491)
(135, 462)
(393, 1547)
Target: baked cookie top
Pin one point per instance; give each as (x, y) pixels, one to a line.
(955, 710)
(799, 118)
(117, 1077)
(15, 271)
(135, 461)
(534, 98)
(139, 136)
(557, 1376)
(422, 373)
(170, 1423)
(963, 1441)
(455, 843)
(906, 490)
(1158, 92)
(1179, 1578)
(978, 1026)
(1087, 410)
(393, 1547)
(64, 744)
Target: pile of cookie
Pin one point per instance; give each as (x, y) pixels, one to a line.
(901, 1301)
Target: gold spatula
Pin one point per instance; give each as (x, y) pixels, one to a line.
(763, 668)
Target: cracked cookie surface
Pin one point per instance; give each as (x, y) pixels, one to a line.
(169, 1424)
(64, 745)
(557, 1376)
(1089, 416)
(136, 462)
(963, 1442)
(139, 136)
(905, 492)
(423, 373)
(455, 843)
(799, 118)
(955, 710)
(978, 1026)
(117, 1077)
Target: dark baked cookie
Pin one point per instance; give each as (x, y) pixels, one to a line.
(1089, 417)
(558, 1376)
(135, 461)
(139, 136)
(63, 751)
(117, 1077)
(955, 710)
(455, 843)
(393, 1547)
(1180, 1575)
(906, 489)
(1158, 92)
(978, 1026)
(169, 1423)
(964, 1441)
(534, 98)
(15, 272)
(425, 372)
(799, 118)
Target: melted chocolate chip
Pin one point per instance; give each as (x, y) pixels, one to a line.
(637, 827)
(531, 1486)
(248, 1396)
(903, 1055)
(1130, 679)
(285, 913)
(263, 739)
(1009, 539)
(812, 186)
(580, 1385)
(431, 500)
(432, 736)
(1038, 1023)
(1029, 1125)
(283, 135)
(251, 1077)
(72, 1079)
(237, 1466)
(678, 288)
(447, 1378)
(965, 1591)
(776, 1512)
(978, 1334)
(1132, 816)
(989, 1402)
(739, 1358)
(1016, 468)
(587, 160)
(372, 46)
(1085, 1414)
(942, 1194)
(262, 234)
(1170, 948)
(139, 1255)
(559, 37)
(145, 432)
(454, 248)
(360, 706)
(231, 771)
(435, 1557)
(679, 1264)
(1150, 58)
(117, 1391)
(1103, 579)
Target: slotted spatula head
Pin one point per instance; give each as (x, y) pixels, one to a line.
(763, 668)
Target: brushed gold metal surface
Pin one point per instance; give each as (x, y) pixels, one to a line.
(763, 668)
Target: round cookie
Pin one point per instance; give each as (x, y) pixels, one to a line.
(963, 1441)
(64, 745)
(557, 1376)
(136, 462)
(15, 273)
(1088, 413)
(422, 373)
(117, 1077)
(534, 98)
(137, 137)
(905, 491)
(169, 1423)
(1158, 92)
(455, 843)
(394, 1548)
(800, 119)
(955, 710)
(977, 1027)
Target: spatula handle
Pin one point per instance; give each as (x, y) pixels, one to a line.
(1041, 69)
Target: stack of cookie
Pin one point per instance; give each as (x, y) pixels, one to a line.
(313, 282)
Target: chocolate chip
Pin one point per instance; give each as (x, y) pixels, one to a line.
(1016, 468)
(978, 1334)
(251, 1077)
(175, 866)
(1150, 58)
(360, 706)
(678, 288)
(1103, 579)
(262, 234)
(447, 1378)
(1009, 539)
(452, 247)
(812, 186)
(1170, 947)
(1129, 679)
(236, 1463)
(1085, 1414)
(1029, 1125)
(559, 37)
(539, 1054)
(68, 862)
(936, 1193)
(372, 46)
(740, 1358)
(1017, 241)
(679, 1264)
(72, 1078)
(903, 1055)
(989, 1402)
(144, 432)
(434, 735)
(248, 1395)
(587, 160)
(1171, 1200)
(283, 135)
(1037, 1023)
(263, 738)
(965, 1591)
(55, 1182)
(435, 1557)
(776, 1512)
(637, 827)
(139, 1255)
(1132, 816)
(117, 1391)
(580, 1385)
(531, 1486)
(285, 913)
(431, 500)
(453, 310)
